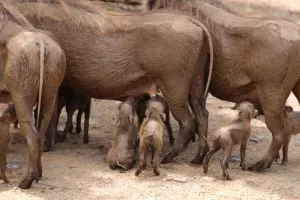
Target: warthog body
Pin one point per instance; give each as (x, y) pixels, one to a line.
(32, 66)
(119, 55)
(250, 64)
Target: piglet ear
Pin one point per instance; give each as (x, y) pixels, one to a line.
(163, 116)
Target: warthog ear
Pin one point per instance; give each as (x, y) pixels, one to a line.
(163, 116)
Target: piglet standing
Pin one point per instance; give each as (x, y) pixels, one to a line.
(151, 135)
(123, 148)
(237, 131)
(7, 116)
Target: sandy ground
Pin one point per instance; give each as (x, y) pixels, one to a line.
(78, 171)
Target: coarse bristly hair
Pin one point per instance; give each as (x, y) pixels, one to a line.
(9, 13)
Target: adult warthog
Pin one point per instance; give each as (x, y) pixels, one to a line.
(255, 60)
(113, 56)
(32, 66)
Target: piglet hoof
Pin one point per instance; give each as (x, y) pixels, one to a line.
(138, 172)
(284, 161)
(156, 172)
(61, 136)
(47, 146)
(86, 139)
(78, 130)
(277, 157)
(226, 175)
(205, 169)
(244, 167)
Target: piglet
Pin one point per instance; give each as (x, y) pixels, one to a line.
(237, 131)
(151, 135)
(7, 116)
(123, 148)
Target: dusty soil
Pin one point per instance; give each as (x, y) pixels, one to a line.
(74, 170)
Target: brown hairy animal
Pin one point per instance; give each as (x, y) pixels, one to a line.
(245, 69)
(294, 122)
(32, 66)
(141, 113)
(132, 51)
(123, 148)
(7, 116)
(151, 135)
(228, 136)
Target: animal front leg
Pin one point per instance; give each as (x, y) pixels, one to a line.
(142, 160)
(243, 154)
(78, 120)
(285, 149)
(277, 122)
(227, 153)
(215, 148)
(86, 124)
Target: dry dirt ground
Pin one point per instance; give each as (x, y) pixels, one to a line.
(78, 171)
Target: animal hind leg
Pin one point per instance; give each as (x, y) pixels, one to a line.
(24, 114)
(215, 148)
(197, 103)
(155, 163)
(224, 162)
(177, 99)
(169, 128)
(86, 123)
(142, 160)
(49, 100)
(78, 120)
(285, 149)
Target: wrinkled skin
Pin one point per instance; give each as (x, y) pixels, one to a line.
(141, 113)
(120, 55)
(236, 132)
(151, 135)
(23, 52)
(255, 60)
(123, 147)
(7, 116)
